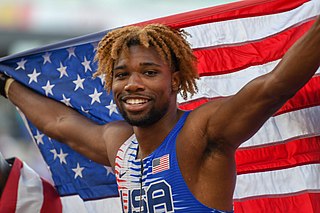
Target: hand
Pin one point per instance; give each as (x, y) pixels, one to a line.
(3, 81)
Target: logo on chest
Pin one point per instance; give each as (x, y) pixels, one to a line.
(157, 197)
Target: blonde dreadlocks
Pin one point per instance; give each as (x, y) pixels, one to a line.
(169, 43)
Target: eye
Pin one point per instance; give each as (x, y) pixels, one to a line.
(120, 75)
(150, 73)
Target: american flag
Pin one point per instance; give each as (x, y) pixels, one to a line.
(160, 164)
(278, 169)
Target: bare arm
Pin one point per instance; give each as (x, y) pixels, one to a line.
(237, 118)
(64, 124)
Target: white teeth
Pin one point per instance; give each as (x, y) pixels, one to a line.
(136, 101)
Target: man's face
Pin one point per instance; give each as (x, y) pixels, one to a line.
(142, 86)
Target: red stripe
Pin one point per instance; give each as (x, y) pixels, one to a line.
(9, 201)
(241, 9)
(51, 199)
(308, 96)
(300, 203)
(228, 59)
(290, 154)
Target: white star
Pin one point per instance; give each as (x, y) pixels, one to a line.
(83, 110)
(78, 171)
(46, 58)
(39, 137)
(48, 88)
(66, 101)
(71, 52)
(102, 78)
(55, 154)
(86, 65)
(21, 64)
(78, 83)
(62, 70)
(109, 170)
(112, 108)
(33, 76)
(95, 46)
(62, 156)
(95, 96)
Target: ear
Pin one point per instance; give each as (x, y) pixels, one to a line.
(175, 81)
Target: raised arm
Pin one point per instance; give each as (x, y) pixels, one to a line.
(237, 118)
(63, 123)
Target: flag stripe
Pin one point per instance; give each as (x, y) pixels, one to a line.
(243, 30)
(241, 9)
(9, 202)
(292, 125)
(229, 84)
(279, 182)
(30, 191)
(308, 96)
(222, 60)
(280, 156)
(51, 199)
(297, 203)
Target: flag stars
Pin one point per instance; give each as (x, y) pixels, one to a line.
(71, 52)
(33, 76)
(112, 108)
(63, 70)
(21, 64)
(86, 65)
(39, 138)
(102, 78)
(62, 156)
(78, 83)
(109, 170)
(66, 101)
(48, 88)
(46, 58)
(55, 154)
(95, 96)
(78, 171)
(83, 110)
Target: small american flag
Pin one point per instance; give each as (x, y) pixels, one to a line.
(160, 164)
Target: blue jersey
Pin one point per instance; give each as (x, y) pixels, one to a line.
(155, 183)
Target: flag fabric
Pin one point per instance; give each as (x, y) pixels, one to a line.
(26, 192)
(278, 169)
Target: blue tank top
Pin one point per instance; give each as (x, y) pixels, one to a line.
(154, 184)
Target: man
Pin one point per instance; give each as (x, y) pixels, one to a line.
(22, 190)
(166, 159)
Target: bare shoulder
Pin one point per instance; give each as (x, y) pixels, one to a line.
(115, 134)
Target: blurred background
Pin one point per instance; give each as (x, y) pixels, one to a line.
(26, 24)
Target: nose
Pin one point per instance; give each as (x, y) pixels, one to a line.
(134, 83)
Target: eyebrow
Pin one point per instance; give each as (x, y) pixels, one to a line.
(143, 64)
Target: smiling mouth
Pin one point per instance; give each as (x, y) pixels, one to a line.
(136, 101)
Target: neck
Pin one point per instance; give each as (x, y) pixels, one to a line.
(151, 137)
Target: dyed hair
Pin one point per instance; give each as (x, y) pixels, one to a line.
(170, 44)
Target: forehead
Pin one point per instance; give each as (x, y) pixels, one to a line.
(139, 54)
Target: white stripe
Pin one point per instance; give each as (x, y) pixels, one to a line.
(30, 191)
(230, 84)
(73, 204)
(291, 125)
(279, 182)
(104, 205)
(249, 29)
